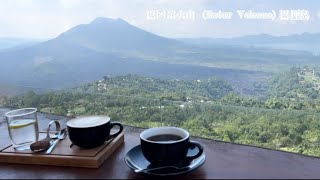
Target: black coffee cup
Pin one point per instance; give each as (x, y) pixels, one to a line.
(167, 145)
(91, 131)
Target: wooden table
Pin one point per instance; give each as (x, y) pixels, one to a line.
(224, 160)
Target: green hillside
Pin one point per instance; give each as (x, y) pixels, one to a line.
(175, 90)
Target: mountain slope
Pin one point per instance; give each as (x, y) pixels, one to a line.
(112, 35)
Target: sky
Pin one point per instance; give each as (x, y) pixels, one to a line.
(45, 19)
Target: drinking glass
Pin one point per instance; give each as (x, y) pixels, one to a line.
(23, 127)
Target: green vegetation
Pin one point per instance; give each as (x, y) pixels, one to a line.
(175, 90)
(287, 118)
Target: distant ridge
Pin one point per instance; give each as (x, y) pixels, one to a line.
(303, 42)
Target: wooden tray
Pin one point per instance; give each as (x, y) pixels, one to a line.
(63, 155)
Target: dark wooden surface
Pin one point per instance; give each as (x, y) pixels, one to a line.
(224, 160)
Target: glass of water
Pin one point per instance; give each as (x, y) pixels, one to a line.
(23, 127)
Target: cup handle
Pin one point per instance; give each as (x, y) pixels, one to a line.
(192, 145)
(49, 126)
(112, 124)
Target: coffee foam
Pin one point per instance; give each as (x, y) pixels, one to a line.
(88, 121)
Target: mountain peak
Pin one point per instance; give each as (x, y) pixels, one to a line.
(108, 35)
(102, 20)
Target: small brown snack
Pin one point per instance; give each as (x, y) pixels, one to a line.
(40, 145)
